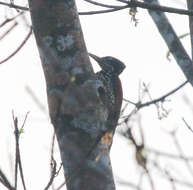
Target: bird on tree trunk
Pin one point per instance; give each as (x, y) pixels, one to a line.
(111, 95)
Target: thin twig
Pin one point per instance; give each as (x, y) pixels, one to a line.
(128, 184)
(154, 7)
(36, 100)
(61, 185)
(52, 145)
(142, 5)
(53, 174)
(168, 155)
(24, 120)
(20, 46)
(175, 180)
(18, 162)
(15, 121)
(187, 125)
(150, 179)
(129, 101)
(9, 30)
(7, 20)
(140, 105)
(170, 179)
(5, 181)
(11, 5)
(161, 99)
(10, 19)
(103, 11)
(181, 153)
(102, 5)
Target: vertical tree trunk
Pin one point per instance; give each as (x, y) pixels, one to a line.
(75, 108)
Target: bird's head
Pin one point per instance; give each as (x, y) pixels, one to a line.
(109, 64)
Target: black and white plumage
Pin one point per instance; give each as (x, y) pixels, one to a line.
(112, 94)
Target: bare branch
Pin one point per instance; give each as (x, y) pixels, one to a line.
(10, 19)
(128, 184)
(130, 4)
(61, 185)
(187, 125)
(9, 30)
(53, 174)
(103, 11)
(11, 5)
(190, 7)
(171, 39)
(15, 121)
(102, 5)
(175, 180)
(20, 46)
(181, 153)
(171, 179)
(140, 105)
(156, 7)
(5, 181)
(162, 98)
(18, 162)
(168, 155)
(36, 100)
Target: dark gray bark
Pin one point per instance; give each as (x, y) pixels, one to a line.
(75, 107)
(172, 41)
(190, 7)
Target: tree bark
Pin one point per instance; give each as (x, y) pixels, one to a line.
(75, 108)
(172, 41)
(190, 7)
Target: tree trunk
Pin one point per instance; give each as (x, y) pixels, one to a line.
(172, 41)
(190, 7)
(75, 108)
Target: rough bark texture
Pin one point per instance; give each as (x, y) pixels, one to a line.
(76, 110)
(166, 30)
(190, 7)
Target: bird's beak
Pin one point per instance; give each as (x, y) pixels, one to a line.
(96, 58)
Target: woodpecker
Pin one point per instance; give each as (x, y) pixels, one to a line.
(112, 94)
